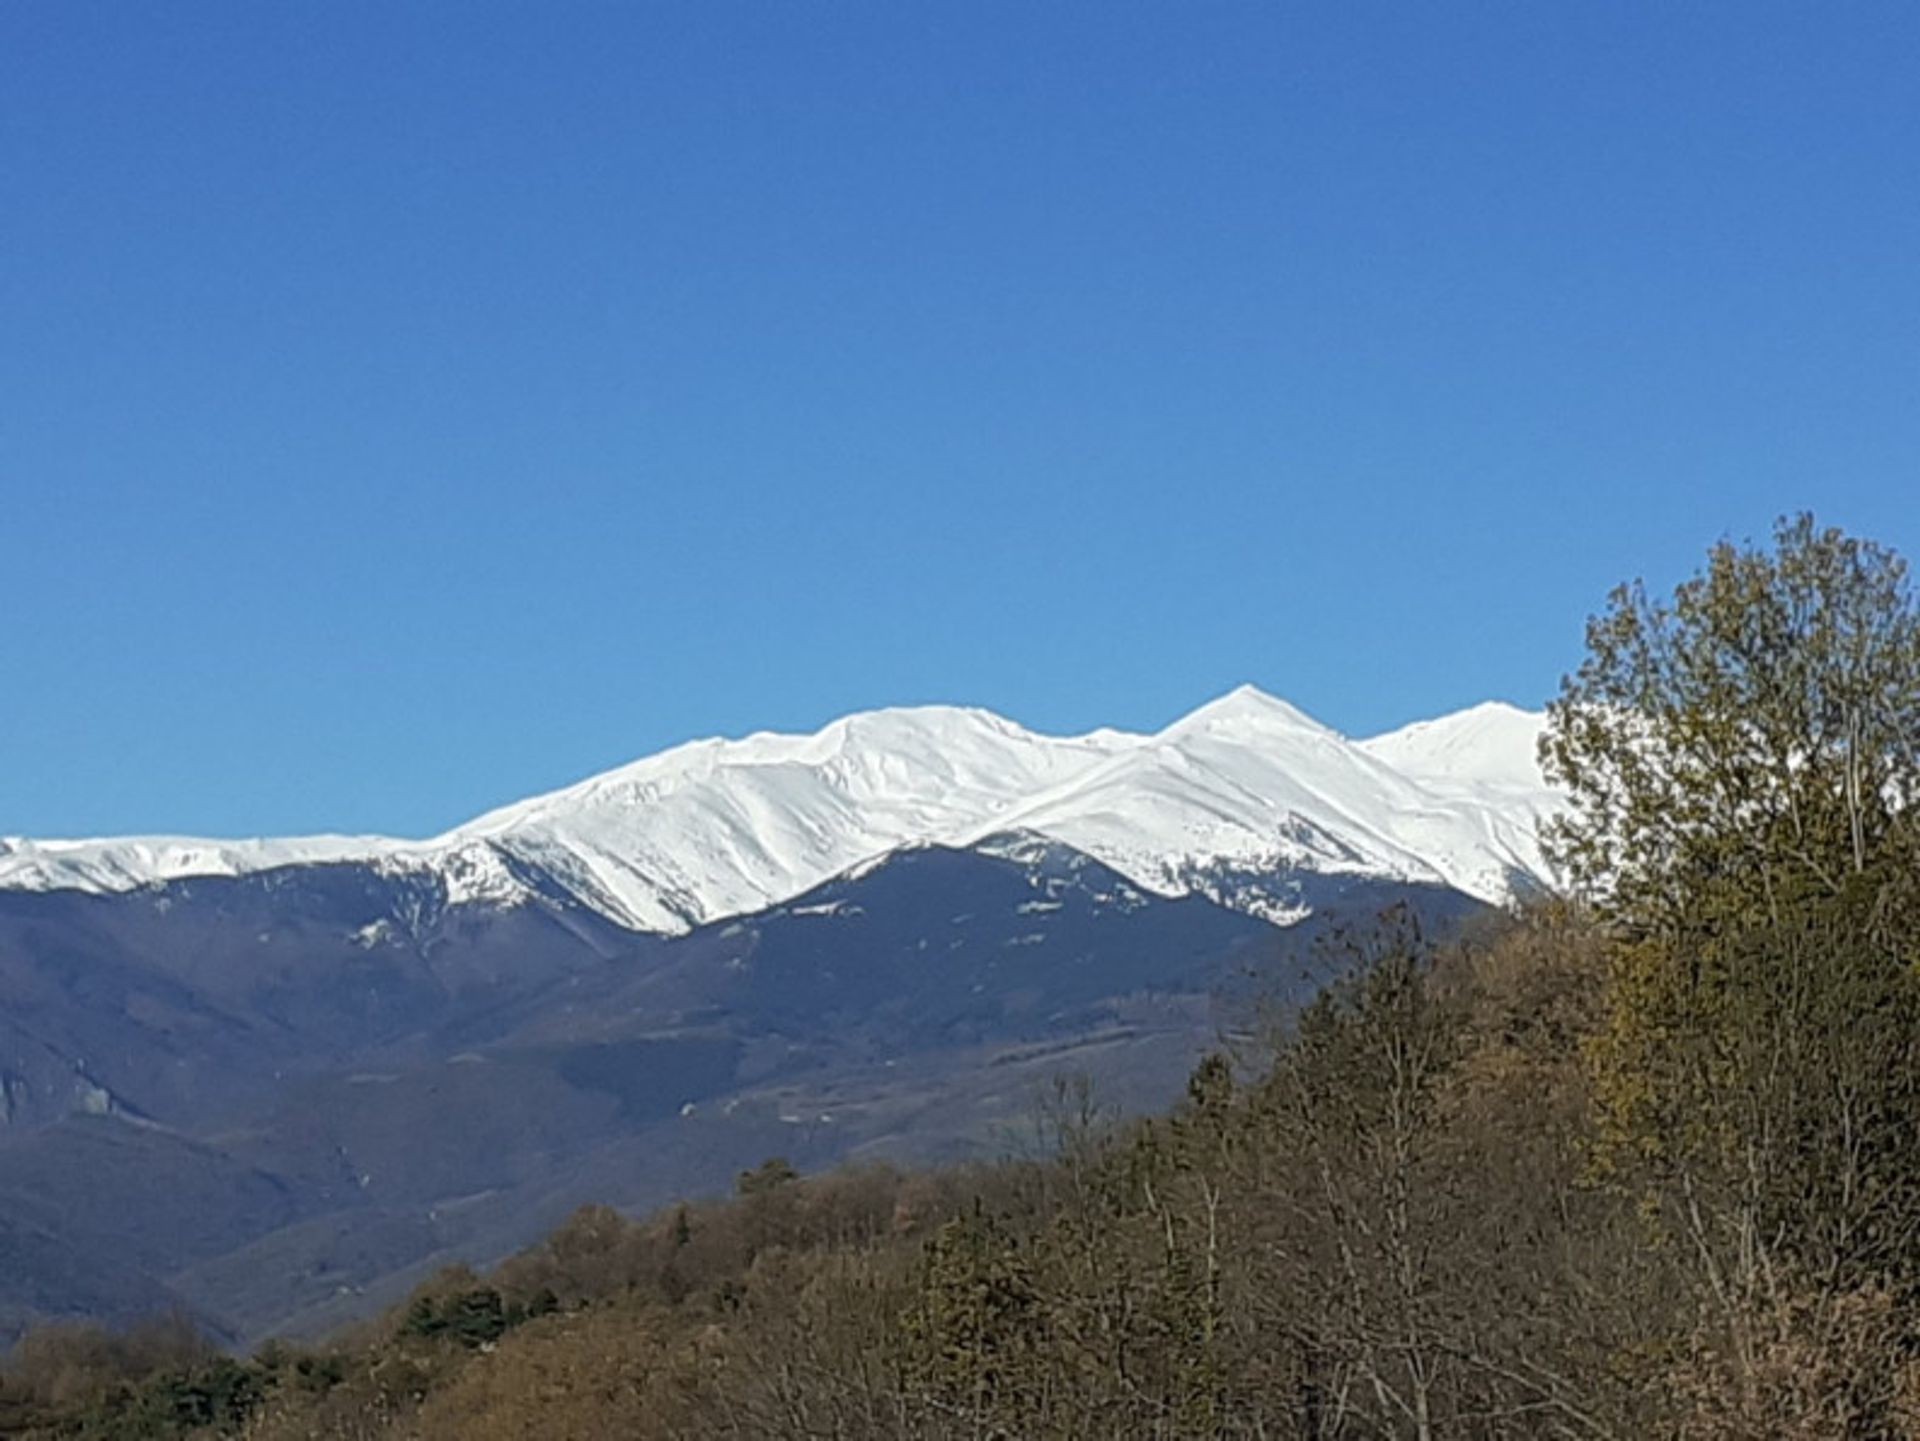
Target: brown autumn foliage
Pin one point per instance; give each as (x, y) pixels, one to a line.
(1391, 1223)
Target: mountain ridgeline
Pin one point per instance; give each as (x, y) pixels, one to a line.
(271, 1084)
(719, 828)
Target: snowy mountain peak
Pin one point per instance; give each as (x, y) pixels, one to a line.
(1490, 744)
(1245, 710)
(927, 732)
(1246, 786)
(717, 828)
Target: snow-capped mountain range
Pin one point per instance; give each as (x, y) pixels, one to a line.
(313, 1066)
(1241, 794)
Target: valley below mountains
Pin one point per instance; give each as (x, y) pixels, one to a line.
(272, 1083)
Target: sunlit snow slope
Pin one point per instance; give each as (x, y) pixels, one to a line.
(721, 827)
(1245, 786)
(1248, 785)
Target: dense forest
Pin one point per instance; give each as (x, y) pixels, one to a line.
(1641, 1160)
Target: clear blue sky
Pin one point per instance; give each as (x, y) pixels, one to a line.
(408, 407)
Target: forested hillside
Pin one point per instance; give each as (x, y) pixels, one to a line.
(1642, 1161)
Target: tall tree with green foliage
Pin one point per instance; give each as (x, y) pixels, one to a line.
(975, 1329)
(1744, 765)
(1751, 742)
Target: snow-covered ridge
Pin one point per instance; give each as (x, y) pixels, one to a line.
(1249, 783)
(716, 828)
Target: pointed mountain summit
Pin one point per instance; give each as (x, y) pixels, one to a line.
(1246, 794)
(1242, 709)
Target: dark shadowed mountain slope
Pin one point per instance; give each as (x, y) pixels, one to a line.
(263, 1098)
